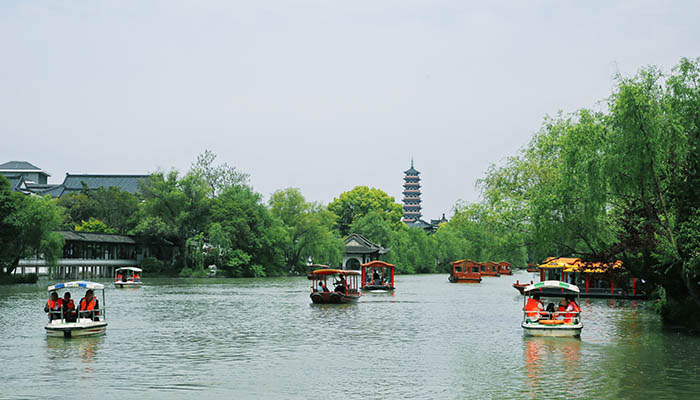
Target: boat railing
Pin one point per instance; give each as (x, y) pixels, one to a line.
(94, 315)
(553, 315)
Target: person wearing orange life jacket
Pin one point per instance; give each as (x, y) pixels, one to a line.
(89, 306)
(573, 310)
(54, 306)
(534, 308)
(562, 307)
(119, 278)
(137, 277)
(69, 312)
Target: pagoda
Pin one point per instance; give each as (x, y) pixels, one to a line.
(411, 195)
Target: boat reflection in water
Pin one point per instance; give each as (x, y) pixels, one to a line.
(552, 364)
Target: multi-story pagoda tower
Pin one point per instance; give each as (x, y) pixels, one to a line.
(411, 195)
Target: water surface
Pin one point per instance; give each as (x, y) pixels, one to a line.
(262, 338)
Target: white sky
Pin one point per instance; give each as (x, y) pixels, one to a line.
(319, 95)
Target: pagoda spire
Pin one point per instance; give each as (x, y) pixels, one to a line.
(411, 195)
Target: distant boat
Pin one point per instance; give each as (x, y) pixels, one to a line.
(465, 271)
(345, 290)
(127, 277)
(378, 276)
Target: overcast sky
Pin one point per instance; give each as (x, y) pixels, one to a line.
(320, 95)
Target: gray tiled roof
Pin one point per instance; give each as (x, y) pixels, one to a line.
(128, 183)
(51, 190)
(365, 246)
(15, 182)
(96, 237)
(21, 165)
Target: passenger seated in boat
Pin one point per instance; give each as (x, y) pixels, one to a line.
(534, 308)
(88, 304)
(137, 277)
(562, 307)
(375, 278)
(54, 306)
(571, 307)
(69, 312)
(322, 287)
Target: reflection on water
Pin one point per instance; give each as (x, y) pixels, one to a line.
(264, 338)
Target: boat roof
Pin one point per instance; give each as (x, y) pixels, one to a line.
(551, 284)
(77, 284)
(329, 271)
(129, 269)
(377, 263)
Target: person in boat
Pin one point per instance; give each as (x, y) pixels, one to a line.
(69, 312)
(137, 277)
(54, 306)
(88, 304)
(322, 287)
(562, 307)
(340, 284)
(375, 278)
(534, 308)
(571, 308)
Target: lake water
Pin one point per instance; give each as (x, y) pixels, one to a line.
(262, 338)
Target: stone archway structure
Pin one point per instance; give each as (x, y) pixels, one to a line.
(359, 250)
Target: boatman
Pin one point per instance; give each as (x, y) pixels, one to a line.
(53, 306)
(534, 308)
(88, 304)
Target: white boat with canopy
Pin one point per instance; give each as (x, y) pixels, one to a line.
(127, 277)
(86, 318)
(541, 321)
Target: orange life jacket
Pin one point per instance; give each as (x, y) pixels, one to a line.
(532, 307)
(118, 278)
(569, 315)
(85, 306)
(55, 305)
(69, 305)
(137, 277)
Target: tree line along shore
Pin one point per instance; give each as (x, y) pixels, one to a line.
(620, 181)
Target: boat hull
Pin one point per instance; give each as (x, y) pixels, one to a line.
(126, 284)
(378, 288)
(83, 328)
(552, 330)
(333, 298)
(455, 279)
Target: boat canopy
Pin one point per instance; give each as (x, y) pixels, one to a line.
(378, 264)
(552, 285)
(561, 262)
(77, 284)
(328, 271)
(128, 269)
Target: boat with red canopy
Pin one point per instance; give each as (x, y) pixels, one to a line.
(345, 286)
(378, 276)
(505, 268)
(465, 271)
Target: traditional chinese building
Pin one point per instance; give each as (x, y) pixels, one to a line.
(411, 195)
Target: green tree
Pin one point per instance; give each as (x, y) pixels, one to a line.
(94, 225)
(358, 202)
(27, 227)
(217, 177)
(116, 208)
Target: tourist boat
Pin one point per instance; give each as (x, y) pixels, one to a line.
(377, 276)
(465, 271)
(342, 293)
(531, 268)
(490, 268)
(82, 323)
(597, 280)
(505, 268)
(547, 324)
(127, 277)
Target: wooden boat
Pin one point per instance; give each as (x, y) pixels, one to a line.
(597, 280)
(490, 268)
(545, 323)
(521, 286)
(127, 277)
(532, 268)
(377, 276)
(345, 290)
(465, 271)
(505, 268)
(79, 323)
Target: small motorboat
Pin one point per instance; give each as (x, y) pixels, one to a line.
(127, 277)
(345, 286)
(465, 271)
(560, 323)
(77, 323)
(378, 276)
